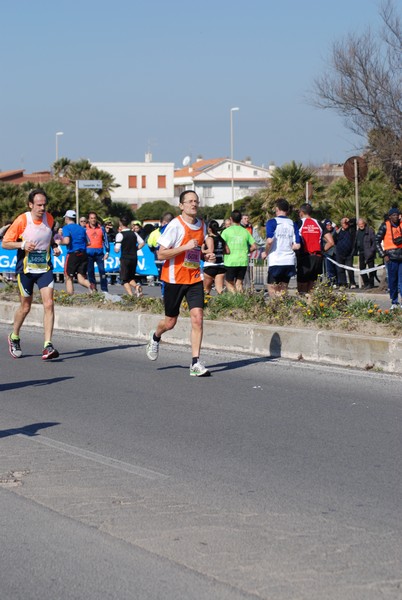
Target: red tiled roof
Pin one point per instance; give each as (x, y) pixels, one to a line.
(18, 177)
(5, 175)
(197, 167)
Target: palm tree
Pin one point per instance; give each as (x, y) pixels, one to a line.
(79, 169)
(376, 195)
(83, 170)
(289, 181)
(61, 166)
(108, 182)
(13, 201)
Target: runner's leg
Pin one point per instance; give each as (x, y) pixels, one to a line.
(48, 308)
(21, 313)
(197, 317)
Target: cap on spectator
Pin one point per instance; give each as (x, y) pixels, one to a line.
(393, 211)
(71, 214)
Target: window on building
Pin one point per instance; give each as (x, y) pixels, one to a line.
(255, 173)
(178, 189)
(132, 181)
(162, 181)
(238, 167)
(143, 181)
(208, 192)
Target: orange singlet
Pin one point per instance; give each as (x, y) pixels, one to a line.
(185, 268)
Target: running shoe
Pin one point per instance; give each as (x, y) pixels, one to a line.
(198, 370)
(394, 306)
(49, 352)
(152, 347)
(14, 347)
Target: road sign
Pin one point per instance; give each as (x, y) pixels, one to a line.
(90, 184)
(355, 162)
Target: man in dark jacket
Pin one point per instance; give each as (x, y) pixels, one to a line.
(365, 250)
(345, 244)
(389, 247)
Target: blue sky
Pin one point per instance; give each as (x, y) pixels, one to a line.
(124, 77)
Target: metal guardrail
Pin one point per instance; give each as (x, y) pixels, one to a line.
(257, 272)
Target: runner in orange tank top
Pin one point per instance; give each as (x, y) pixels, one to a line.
(32, 236)
(180, 248)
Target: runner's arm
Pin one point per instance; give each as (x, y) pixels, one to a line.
(117, 242)
(12, 238)
(13, 245)
(168, 253)
(140, 241)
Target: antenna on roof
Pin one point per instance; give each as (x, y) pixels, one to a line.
(186, 161)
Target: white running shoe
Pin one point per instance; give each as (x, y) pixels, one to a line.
(198, 370)
(14, 347)
(152, 347)
(394, 306)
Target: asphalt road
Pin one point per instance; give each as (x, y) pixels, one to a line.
(122, 478)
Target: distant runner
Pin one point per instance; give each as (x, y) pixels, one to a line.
(31, 234)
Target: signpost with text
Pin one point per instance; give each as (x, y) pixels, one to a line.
(85, 184)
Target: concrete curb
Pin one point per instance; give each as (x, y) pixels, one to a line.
(327, 347)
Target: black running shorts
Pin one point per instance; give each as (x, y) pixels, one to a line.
(175, 292)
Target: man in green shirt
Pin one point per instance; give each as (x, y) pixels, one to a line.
(240, 243)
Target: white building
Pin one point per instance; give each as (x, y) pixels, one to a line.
(140, 182)
(212, 180)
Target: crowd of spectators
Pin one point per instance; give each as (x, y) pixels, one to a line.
(307, 248)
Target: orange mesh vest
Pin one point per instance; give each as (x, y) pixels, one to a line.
(95, 234)
(185, 267)
(388, 241)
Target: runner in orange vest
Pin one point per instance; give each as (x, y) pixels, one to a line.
(180, 248)
(31, 235)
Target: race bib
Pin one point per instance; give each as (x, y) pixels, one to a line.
(37, 261)
(192, 259)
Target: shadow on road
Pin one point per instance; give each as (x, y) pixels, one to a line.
(227, 366)
(30, 430)
(92, 351)
(15, 385)
(238, 364)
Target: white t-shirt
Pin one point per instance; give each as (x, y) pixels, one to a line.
(284, 236)
(174, 233)
(119, 239)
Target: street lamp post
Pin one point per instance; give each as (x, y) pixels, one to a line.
(231, 149)
(57, 144)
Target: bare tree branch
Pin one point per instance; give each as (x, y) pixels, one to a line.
(363, 84)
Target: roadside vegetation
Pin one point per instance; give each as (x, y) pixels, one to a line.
(324, 308)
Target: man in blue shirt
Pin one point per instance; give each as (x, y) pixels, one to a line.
(76, 240)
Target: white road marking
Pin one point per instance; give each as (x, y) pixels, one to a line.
(99, 458)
